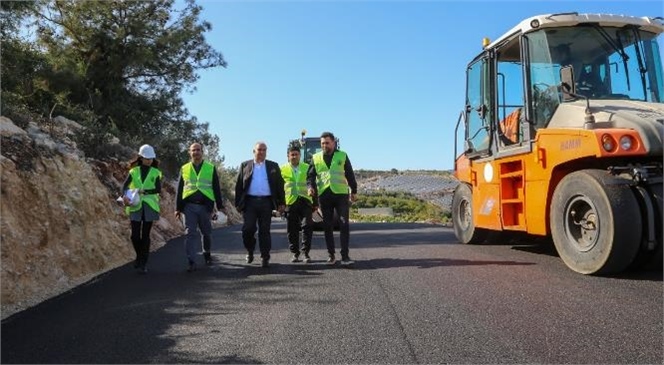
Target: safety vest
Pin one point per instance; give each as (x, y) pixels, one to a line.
(333, 177)
(150, 183)
(295, 185)
(201, 182)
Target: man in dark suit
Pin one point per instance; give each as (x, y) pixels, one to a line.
(258, 191)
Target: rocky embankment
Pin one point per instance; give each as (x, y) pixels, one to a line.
(60, 224)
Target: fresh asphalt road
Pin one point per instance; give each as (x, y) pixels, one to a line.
(414, 296)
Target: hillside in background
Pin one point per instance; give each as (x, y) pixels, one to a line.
(436, 187)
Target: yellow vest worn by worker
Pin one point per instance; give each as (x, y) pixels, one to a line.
(295, 185)
(333, 177)
(197, 182)
(150, 183)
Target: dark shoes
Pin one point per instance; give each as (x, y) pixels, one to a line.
(208, 258)
(296, 258)
(331, 260)
(191, 267)
(264, 262)
(346, 261)
(139, 265)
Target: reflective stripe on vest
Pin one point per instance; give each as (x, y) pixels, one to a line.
(150, 183)
(201, 182)
(333, 177)
(295, 186)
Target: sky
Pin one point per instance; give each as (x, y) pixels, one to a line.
(386, 77)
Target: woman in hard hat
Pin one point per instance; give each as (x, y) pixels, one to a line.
(144, 179)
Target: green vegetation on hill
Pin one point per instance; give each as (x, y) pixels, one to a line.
(406, 207)
(116, 67)
(366, 174)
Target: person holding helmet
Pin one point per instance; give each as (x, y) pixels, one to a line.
(198, 191)
(299, 205)
(145, 179)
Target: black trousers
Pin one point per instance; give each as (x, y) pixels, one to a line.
(140, 239)
(257, 214)
(299, 219)
(329, 202)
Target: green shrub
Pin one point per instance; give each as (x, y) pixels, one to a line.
(406, 208)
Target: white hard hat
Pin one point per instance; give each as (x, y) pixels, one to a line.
(146, 151)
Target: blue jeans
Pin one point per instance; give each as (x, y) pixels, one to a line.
(197, 216)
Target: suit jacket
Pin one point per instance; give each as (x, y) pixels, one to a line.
(274, 179)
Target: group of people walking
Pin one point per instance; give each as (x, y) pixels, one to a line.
(295, 189)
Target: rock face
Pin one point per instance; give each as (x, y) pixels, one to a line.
(60, 224)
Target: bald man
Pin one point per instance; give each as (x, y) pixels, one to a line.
(198, 191)
(258, 191)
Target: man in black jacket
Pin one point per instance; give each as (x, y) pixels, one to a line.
(258, 191)
(331, 178)
(198, 192)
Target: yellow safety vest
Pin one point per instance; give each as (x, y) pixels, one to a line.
(150, 183)
(201, 182)
(333, 177)
(295, 186)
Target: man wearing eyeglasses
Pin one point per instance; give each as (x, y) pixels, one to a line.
(259, 190)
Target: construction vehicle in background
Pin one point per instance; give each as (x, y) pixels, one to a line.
(309, 146)
(564, 123)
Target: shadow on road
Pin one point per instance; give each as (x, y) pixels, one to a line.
(640, 275)
(168, 315)
(543, 248)
(387, 227)
(387, 263)
(123, 317)
(546, 247)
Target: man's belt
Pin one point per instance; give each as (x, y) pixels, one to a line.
(197, 202)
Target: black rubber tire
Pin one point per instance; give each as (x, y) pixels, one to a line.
(657, 260)
(650, 260)
(610, 241)
(462, 217)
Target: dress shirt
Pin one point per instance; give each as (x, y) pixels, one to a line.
(259, 185)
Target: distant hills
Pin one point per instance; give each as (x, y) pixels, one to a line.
(434, 186)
